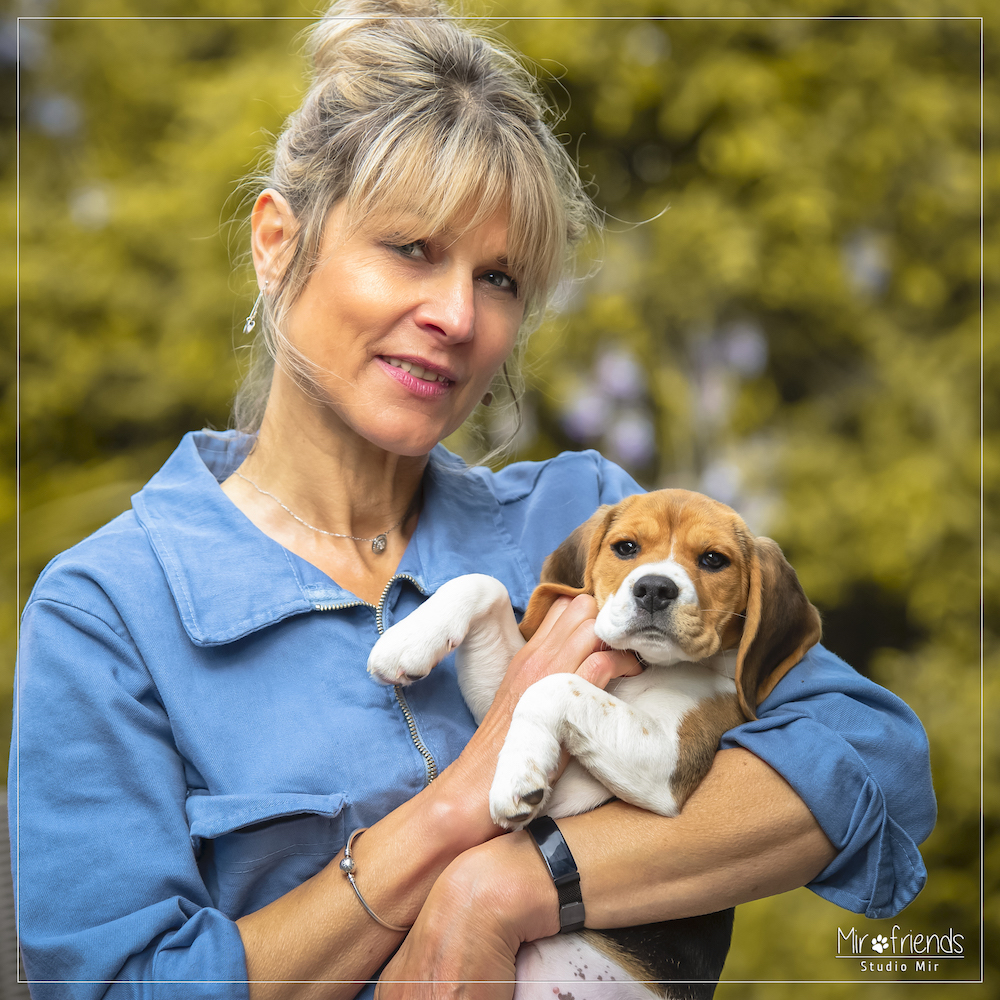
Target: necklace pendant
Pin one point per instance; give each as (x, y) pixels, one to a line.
(378, 544)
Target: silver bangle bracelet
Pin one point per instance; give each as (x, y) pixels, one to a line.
(348, 866)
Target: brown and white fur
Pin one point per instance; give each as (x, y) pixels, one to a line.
(717, 617)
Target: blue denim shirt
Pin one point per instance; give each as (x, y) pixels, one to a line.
(197, 733)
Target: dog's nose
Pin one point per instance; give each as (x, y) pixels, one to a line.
(654, 593)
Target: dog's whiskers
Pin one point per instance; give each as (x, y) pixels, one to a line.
(722, 611)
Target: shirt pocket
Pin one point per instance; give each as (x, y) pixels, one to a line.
(253, 848)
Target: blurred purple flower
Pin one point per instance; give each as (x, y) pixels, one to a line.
(745, 348)
(632, 440)
(721, 480)
(587, 415)
(619, 375)
(56, 115)
(865, 261)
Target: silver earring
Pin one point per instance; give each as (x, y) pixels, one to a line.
(252, 318)
(487, 399)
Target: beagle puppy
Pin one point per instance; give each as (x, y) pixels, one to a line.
(715, 615)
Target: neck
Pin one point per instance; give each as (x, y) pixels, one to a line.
(327, 474)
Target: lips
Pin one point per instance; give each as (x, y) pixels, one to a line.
(427, 374)
(421, 380)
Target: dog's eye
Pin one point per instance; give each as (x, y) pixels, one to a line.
(626, 549)
(712, 560)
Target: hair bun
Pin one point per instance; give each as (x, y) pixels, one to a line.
(329, 44)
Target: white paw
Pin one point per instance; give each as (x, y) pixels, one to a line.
(410, 649)
(526, 768)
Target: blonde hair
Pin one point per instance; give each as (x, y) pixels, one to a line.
(410, 112)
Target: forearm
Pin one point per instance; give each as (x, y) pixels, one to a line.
(743, 834)
(318, 940)
(858, 757)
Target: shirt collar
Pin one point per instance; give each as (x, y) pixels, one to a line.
(228, 579)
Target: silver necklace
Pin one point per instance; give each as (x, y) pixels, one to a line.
(379, 542)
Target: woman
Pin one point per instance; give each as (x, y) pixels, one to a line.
(197, 734)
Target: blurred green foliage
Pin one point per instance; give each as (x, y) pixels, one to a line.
(804, 319)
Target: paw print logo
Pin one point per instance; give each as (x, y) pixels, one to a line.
(880, 943)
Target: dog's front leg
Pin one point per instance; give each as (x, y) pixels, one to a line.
(471, 612)
(629, 751)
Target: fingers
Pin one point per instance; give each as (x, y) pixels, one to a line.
(583, 607)
(602, 667)
(563, 641)
(572, 622)
(569, 642)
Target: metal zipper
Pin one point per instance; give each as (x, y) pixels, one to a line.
(429, 762)
(411, 724)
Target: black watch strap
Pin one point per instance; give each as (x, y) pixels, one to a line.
(559, 860)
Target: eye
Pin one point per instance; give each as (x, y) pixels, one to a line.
(501, 280)
(626, 549)
(417, 249)
(713, 561)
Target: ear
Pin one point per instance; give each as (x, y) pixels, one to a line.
(566, 572)
(780, 626)
(542, 598)
(272, 227)
(571, 563)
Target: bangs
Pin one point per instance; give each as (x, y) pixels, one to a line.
(455, 176)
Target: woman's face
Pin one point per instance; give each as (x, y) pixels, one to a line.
(407, 333)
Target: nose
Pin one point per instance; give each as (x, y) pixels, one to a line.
(654, 593)
(448, 306)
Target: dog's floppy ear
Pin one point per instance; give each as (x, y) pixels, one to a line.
(542, 598)
(780, 626)
(567, 571)
(571, 564)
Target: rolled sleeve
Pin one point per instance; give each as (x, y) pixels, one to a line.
(110, 898)
(858, 757)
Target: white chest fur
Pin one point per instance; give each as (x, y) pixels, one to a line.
(569, 967)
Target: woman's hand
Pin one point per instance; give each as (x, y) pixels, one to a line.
(564, 643)
(465, 940)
